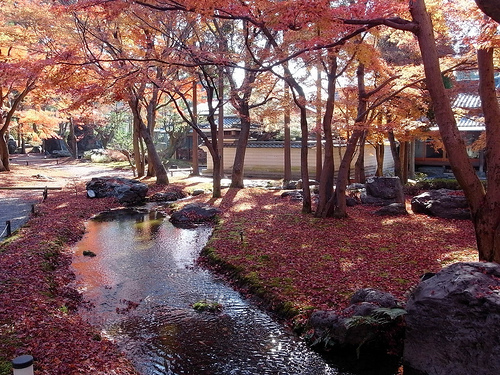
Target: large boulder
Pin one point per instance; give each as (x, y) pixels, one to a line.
(382, 191)
(453, 322)
(194, 213)
(126, 191)
(445, 203)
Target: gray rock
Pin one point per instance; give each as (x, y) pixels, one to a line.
(300, 183)
(393, 209)
(195, 213)
(356, 186)
(378, 297)
(168, 196)
(294, 195)
(443, 203)
(290, 185)
(60, 154)
(351, 202)
(382, 191)
(360, 309)
(369, 322)
(328, 329)
(126, 191)
(453, 322)
(12, 145)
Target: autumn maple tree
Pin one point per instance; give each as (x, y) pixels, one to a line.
(112, 55)
(25, 61)
(484, 202)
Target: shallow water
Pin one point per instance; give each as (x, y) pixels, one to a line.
(142, 284)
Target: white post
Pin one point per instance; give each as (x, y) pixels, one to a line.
(23, 365)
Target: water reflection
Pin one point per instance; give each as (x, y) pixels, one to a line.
(142, 284)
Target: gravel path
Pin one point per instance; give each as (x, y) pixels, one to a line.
(37, 172)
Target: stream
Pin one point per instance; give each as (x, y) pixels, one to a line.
(140, 289)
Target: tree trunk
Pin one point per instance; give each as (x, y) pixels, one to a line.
(379, 155)
(141, 130)
(319, 122)
(139, 165)
(359, 166)
(287, 173)
(395, 154)
(196, 166)
(213, 148)
(485, 224)
(487, 216)
(327, 173)
(300, 101)
(490, 7)
(212, 143)
(6, 116)
(151, 122)
(220, 130)
(241, 103)
(72, 142)
(4, 152)
(241, 147)
(411, 159)
(304, 165)
(403, 161)
(153, 157)
(339, 200)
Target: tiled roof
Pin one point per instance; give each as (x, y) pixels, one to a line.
(274, 144)
(467, 101)
(466, 124)
(229, 123)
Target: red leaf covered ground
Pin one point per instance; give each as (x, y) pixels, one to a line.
(289, 257)
(306, 261)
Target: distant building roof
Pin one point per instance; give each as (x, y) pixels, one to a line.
(464, 100)
(278, 144)
(466, 124)
(230, 122)
(471, 124)
(467, 101)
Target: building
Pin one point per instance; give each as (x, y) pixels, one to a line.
(470, 121)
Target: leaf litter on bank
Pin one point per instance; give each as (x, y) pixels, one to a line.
(38, 308)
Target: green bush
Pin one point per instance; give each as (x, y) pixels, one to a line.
(439, 183)
(431, 184)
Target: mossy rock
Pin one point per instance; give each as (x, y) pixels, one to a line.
(209, 306)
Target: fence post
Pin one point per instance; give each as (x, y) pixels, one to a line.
(8, 229)
(23, 365)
